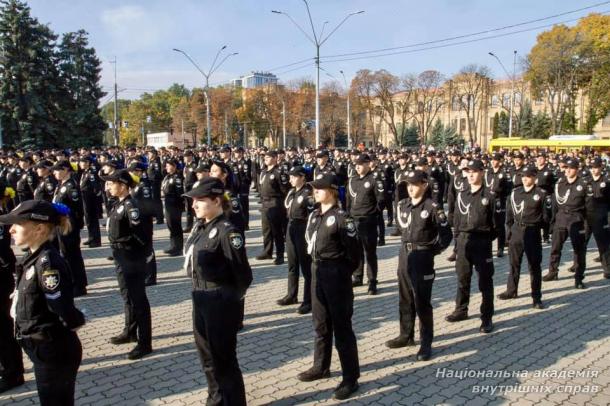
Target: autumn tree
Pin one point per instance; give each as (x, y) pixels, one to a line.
(428, 94)
(472, 85)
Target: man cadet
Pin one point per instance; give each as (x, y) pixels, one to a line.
(526, 214)
(173, 188)
(572, 195)
(497, 182)
(425, 233)
(364, 198)
(475, 228)
(597, 214)
(91, 190)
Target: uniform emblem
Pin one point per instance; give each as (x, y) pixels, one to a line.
(30, 273)
(424, 214)
(579, 188)
(63, 189)
(367, 184)
(134, 214)
(234, 203)
(546, 174)
(236, 240)
(120, 209)
(603, 184)
(272, 177)
(213, 232)
(501, 175)
(319, 176)
(350, 226)
(50, 279)
(171, 181)
(484, 201)
(195, 184)
(330, 221)
(536, 197)
(404, 215)
(300, 199)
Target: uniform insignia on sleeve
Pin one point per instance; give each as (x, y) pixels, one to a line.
(300, 199)
(603, 184)
(91, 177)
(272, 177)
(50, 279)
(236, 240)
(213, 233)
(367, 184)
(536, 197)
(442, 217)
(74, 194)
(350, 227)
(234, 203)
(424, 214)
(30, 273)
(330, 221)
(134, 214)
(484, 201)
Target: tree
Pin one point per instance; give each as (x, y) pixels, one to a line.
(410, 135)
(80, 72)
(444, 136)
(364, 86)
(31, 90)
(472, 83)
(428, 94)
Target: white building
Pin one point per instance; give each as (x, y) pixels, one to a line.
(255, 79)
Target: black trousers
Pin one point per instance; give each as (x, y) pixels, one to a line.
(11, 358)
(272, 223)
(380, 227)
(387, 205)
(332, 308)
(216, 318)
(92, 216)
(500, 220)
(474, 251)
(576, 232)
(244, 201)
(157, 204)
(367, 232)
(597, 225)
(415, 279)
(56, 363)
(190, 212)
(131, 273)
(525, 239)
(173, 216)
(151, 260)
(70, 249)
(296, 249)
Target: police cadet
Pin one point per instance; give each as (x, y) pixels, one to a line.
(273, 186)
(425, 233)
(365, 196)
(91, 191)
(11, 358)
(386, 167)
(46, 181)
(43, 306)
(28, 180)
(189, 179)
(142, 193)
(244, 173)
(475, 228)
(570, 203)
(172, 189)
(526, 215)
(332, 242)
(221, 274)
(127, 236)
(515, 173)
(222, 171)
(299, 203)
(597, 214)
(496, 181)
(545, 179)
(155, 174)
(68, 194)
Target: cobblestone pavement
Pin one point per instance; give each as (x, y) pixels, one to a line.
(560, 355)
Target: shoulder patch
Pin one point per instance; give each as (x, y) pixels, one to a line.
(236, 240)
(50, 279)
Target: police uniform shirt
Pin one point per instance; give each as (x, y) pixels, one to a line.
(527, 207)
(364, 195)
(474, 211)
(327, 168)
(46, 188)
(13, 175)
(189, 175)
(89, 182)
(423, 223)
(545, 178)
(142, 193)
(27, 184)
(273, 183)
(217, 254)
(571, 200)
(43, 298)
(69, 194)
(154, 170)
(515, 176)
(299, 203)
(244, 173)
(332, 236)
(172, 187)
(126, 230)
(600, 198)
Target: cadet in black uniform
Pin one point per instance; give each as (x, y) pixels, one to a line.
(273, 185)
(216, 258)
(496, 180)
(91, 190)
(546, 181)
(142, 193)
(11, 358)
(365, 196)
(332, 242)
(425, 233)
(475, 228)
(127, 236)
(571, 199)
(221, 170)
(189, 179)
(172, 189)
(525, 216)
(597, 214)
(155, 174)
(68, 193)
(28, 180)
(244, 173)
(45, 317)
(299, 203)
(46, 181)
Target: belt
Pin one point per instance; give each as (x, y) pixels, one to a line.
(525, 225)
(207, 285)
(416, 247)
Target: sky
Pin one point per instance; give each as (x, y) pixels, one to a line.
(142, 34)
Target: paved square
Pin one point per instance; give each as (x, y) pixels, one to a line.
(560, 355)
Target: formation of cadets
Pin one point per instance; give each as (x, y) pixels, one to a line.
(325, 210)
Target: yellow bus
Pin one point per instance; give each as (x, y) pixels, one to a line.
(559, 143)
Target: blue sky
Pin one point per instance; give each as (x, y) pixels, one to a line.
(141, 34)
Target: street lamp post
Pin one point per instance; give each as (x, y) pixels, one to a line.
(207, 75)
(317, 41)
(512, 89)
(349, 130)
